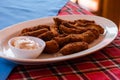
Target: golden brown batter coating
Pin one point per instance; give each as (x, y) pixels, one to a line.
(54, 30)
(46, 36)
(70, 28)
(66, 30)
(34, 28)
(51, 47)
(34, 33)
(95, 32)
(62, 40)
(97, 27)
(87, 36)
(73, 47)
(83, 22)
(59, 21)
(69, 25)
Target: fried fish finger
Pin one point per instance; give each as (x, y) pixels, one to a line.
(97, 27)
(51, 47)
(67, 30)
(54, 30)
(46, 36)
(62, 40)
(87, 36)
(83, 22)
(69, 25)
(59, 21)
(34, 28)
(34, 33)
(84, 26)
(73, 48)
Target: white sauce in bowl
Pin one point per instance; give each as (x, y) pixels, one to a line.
(25, 43)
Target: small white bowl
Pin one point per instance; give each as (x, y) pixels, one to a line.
(27, 53)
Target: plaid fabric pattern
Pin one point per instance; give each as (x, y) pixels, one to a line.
(72, 8)
(101, 65)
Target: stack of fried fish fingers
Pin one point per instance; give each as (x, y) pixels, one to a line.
(65, 36)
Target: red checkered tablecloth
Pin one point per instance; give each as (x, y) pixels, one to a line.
(101, 65)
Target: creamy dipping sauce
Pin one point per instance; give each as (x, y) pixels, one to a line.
(25, 43)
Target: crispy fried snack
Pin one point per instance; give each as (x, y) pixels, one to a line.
(54, 30)
(69, 25)
(97, 27)
(51, 47)
(34, 28)
(95, 32)
(83, 22)
(46, 36)
(87, 36)
(90, 25)
(34, 33)
(62, 40)
(59, 21)
(66, 30)
(73, 47)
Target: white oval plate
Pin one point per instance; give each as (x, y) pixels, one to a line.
(11, 31)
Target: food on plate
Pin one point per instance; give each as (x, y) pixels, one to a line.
(66, 30)
(97, 27)
(64, 36)
(59, 21)
(34, 33)
(87, 36)
(51, 47)
(83, 22)
(46, 36)
(73, 47)
(54, 30)
(79, 24)
(34, 28)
